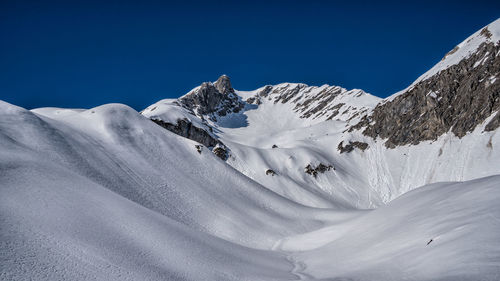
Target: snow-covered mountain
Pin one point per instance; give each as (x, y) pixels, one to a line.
(286, 182)
(441, 128)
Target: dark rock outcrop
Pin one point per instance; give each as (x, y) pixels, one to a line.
(213, 98)
(198, 147)
(270, 172)
(335, 111)
(351, 145)
(494, 123)
(223, 85)
(221, 152)
(186, 129)
(321, 168)
(311, 102)
(325, 98)
(257, 99)
(458, 98)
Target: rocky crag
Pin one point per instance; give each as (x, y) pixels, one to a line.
(457, 99)
(212, 99)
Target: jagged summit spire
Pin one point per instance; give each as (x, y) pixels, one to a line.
(211, 98)
(223, 84)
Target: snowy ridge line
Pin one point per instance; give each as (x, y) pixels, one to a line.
(488, 34)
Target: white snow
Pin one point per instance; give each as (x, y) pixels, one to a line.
(106, 194)
(445, 231)
(360, 179)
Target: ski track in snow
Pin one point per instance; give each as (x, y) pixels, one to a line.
(298, 267)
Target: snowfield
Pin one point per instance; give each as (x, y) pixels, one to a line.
(443, 231)
(108, 194)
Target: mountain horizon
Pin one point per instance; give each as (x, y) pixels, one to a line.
(81, 55)
(284, 182)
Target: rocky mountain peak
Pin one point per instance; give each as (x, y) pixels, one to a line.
(211, 99)
(223, 84)
(458, 94)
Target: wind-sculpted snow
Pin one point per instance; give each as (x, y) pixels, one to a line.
(139, 160)
(58, 225)
(106, 194)
(279, 183)
(444, 231)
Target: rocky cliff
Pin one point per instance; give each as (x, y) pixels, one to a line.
(456, 98)
(213, 99)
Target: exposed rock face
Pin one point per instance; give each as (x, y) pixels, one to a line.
(321, 168)
(223, 85)
(221, 152)
(494, 123)
(324, 98)
(213, 99)
(186, 129)
(351, 145)
(257, 99)
(458, 98)
(320, 103)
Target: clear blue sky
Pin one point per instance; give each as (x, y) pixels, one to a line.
(83, 54)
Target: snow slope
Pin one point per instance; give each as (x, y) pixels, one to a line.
(301, 140)
(306, 125)
(107, 194)
(361, 179)
(444, 231)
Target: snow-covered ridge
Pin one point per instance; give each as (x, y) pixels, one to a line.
(287, 127)
(458, 94)
(488, 34)
(169, 110)
(283, 129)
(106, 194)
(309, 126)
(316, 103)
(204, 105)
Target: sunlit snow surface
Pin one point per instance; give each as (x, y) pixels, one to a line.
(106, 194)
(360, 179)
